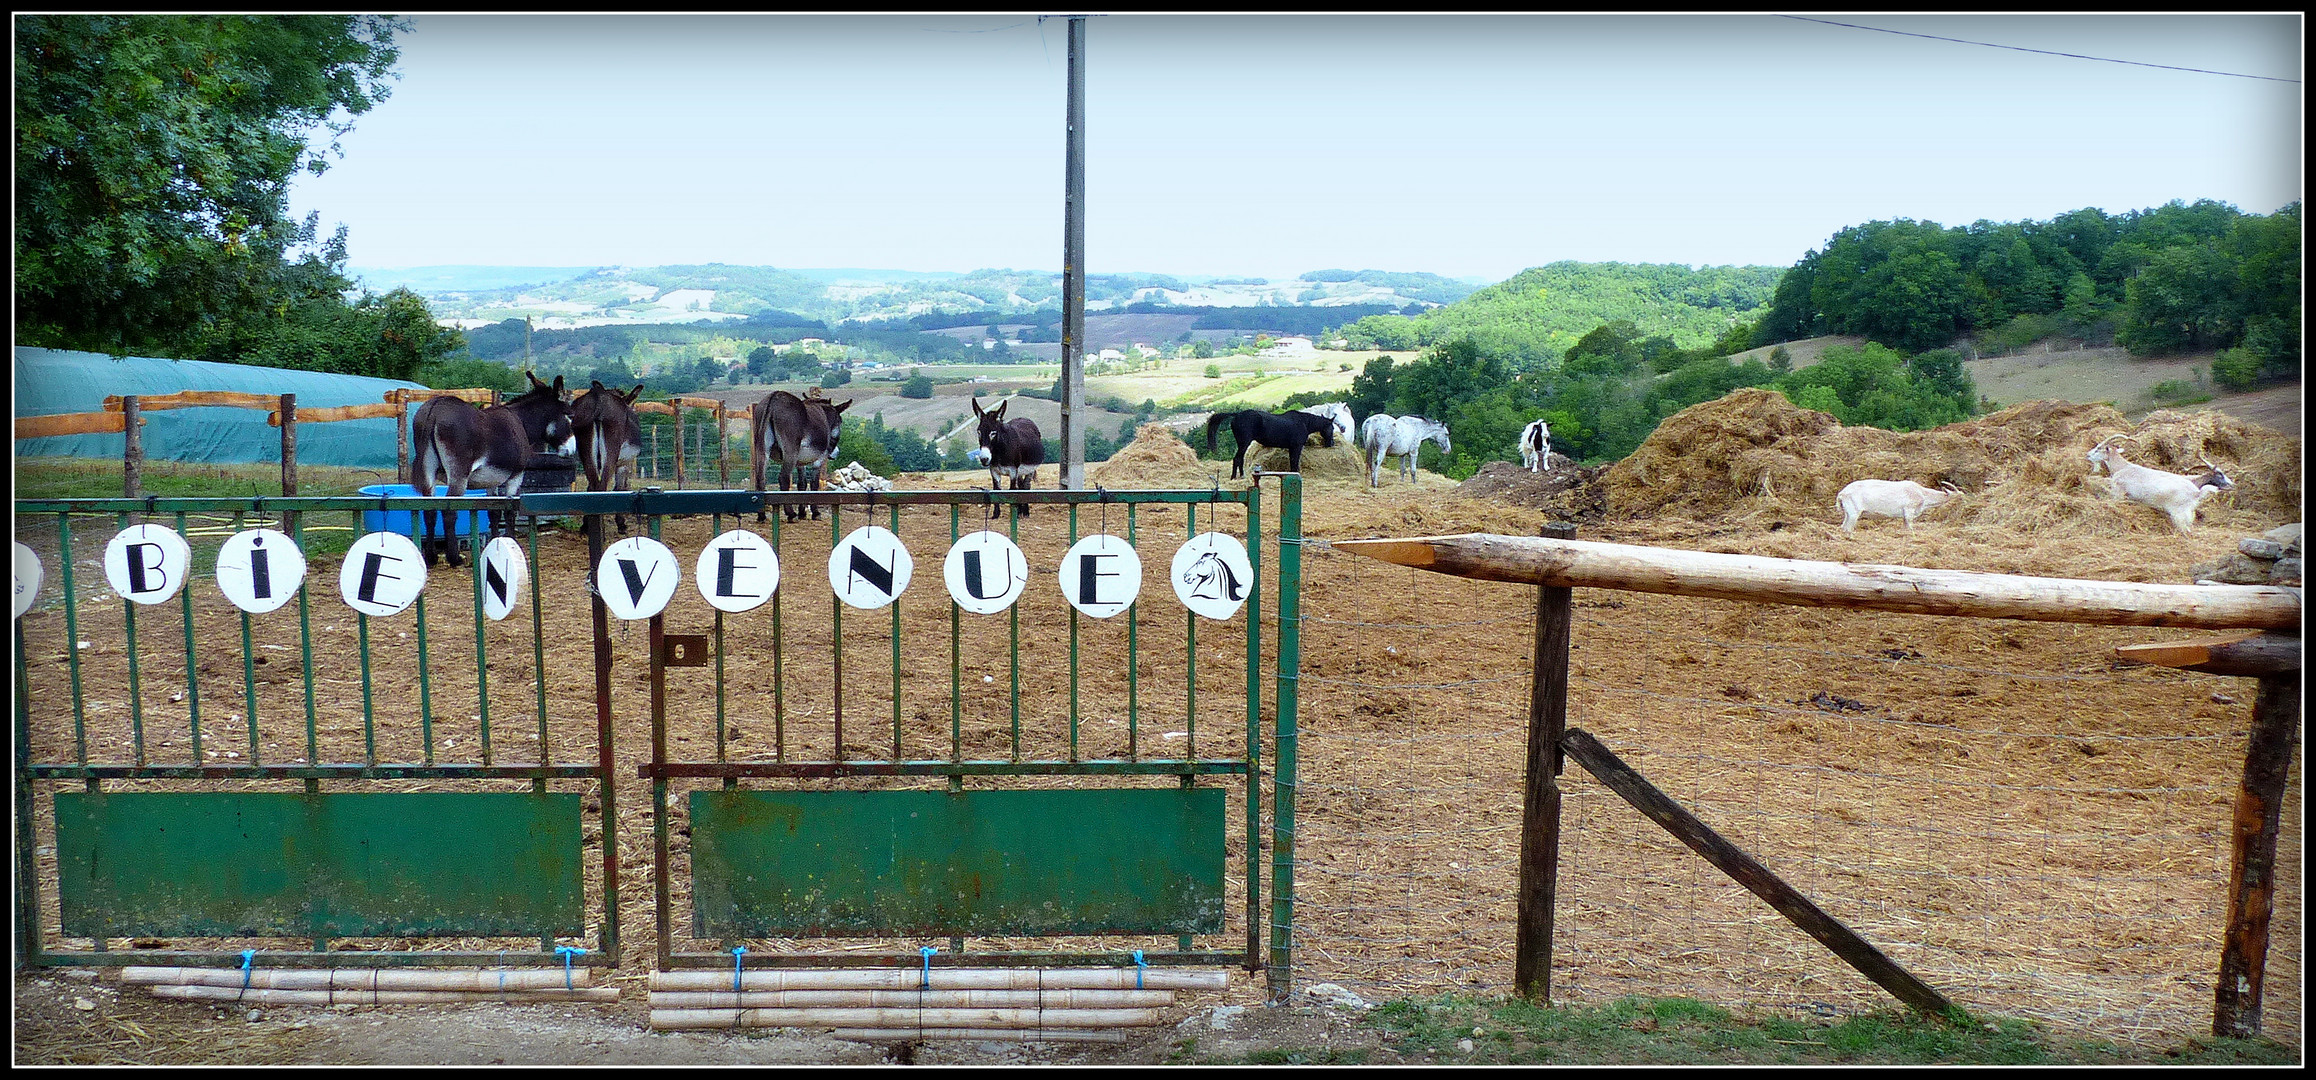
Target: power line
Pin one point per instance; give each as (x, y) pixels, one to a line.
(2045, 52)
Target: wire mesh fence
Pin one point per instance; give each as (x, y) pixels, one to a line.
(2031, 828)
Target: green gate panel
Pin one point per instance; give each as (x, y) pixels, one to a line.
(879, 863)
(339, 864)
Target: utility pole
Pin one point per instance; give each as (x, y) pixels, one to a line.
(1073, 373)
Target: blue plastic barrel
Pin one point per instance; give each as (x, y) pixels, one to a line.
(398, 521)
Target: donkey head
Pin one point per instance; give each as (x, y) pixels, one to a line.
(545, 416)
(992, 422)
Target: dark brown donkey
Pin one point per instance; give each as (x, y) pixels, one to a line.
(1010, 448)
(603, 420)
(461, 446)
(799, 432)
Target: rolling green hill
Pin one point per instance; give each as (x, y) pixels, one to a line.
(1536, 315)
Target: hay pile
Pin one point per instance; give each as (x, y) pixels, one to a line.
(1755, 458)
(1570, 492)
(1157, 458)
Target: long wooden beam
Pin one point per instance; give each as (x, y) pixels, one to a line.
(78, 423)
(190, 399)
(1590, 564)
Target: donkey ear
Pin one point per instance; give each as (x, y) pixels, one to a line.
(594, 384)
(845, 405)
(535, 383)
(999, 413)
(977, 407)
(631, 395)
(558, 385)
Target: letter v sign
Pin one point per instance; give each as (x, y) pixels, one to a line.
(636, 578)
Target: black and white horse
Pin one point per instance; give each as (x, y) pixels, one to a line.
(1385, 436)
(800, 432)
(1286, 431)
(460, 446)
(1536, 446)
(1014, 447)
(603, 421)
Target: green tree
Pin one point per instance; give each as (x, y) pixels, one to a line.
(1202, 349)
(1214, 371)
(760, 360)
(464, 374)
(154, 155)
(919, 385)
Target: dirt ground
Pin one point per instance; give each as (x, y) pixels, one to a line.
(2034, 829)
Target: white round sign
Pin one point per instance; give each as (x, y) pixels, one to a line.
(382, 574)
(637, 577)
(737, 571)
(1101, 575)
(147, 563)
(1212, 575)
(27, 581)
(260, 569)
(503, 571)
(870, 568)
(986, 572)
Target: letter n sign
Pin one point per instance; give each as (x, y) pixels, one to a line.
(637, 577)
(503, 570)
(870, 567)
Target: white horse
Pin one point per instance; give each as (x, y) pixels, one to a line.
(1339, 412)
(1402, 437)
(1536, 447)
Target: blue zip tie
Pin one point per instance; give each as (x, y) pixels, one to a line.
(1139, 966)
(737, 952)
(567, 952)
(247, 955)
(926, 952)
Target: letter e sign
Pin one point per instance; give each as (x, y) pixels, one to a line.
(382, 574)
(1101, 575)
(737, 571)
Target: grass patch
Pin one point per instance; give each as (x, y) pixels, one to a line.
(99, 478)
(1681, 1031)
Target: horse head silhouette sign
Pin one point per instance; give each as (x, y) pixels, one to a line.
(1212, 575)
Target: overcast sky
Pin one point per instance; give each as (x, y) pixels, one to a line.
(1465, 145)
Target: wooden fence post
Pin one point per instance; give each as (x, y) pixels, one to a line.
(2252, 881)
(132, 449)
(401, 435)
(655, 451)
(723, 449)
(289, 444)
(679, 445)
(1540, 811)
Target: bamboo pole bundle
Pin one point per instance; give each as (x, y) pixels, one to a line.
(378, 997)
(947, 979)
(976, 1035)
(497, 980)
(913, 999)
(694, 1019)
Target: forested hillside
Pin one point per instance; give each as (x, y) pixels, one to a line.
(2175, 278)
(1538, 314)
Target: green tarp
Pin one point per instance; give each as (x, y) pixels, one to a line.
(50, 381)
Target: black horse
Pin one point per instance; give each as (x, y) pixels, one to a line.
(1014, 448)
(1280, 431)
(459, 446)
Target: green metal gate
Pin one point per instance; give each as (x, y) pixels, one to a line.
(316, 811)
(834, 838)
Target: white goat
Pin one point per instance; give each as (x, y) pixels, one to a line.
(2169, 492)
(1889, 498)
